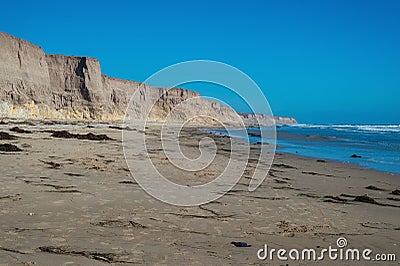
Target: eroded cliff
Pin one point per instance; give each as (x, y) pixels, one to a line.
(36, 85)
(24, 75)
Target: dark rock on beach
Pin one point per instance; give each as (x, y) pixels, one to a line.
(240, 244)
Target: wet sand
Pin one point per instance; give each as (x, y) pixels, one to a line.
(72, 201)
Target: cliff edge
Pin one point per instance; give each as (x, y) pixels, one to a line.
(49, 86)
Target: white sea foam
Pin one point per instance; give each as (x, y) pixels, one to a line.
(355, 128)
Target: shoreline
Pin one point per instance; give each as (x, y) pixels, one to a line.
(346, 164)
(279, 147)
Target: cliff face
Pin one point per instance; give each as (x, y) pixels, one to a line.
(35, 85)
(77, 87)
(23, 71)
(74, 79)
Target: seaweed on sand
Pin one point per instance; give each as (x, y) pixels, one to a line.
(6, 136)
(90, 136)
(20, 130)
(9, 148)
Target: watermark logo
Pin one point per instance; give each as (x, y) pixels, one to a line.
(341, 242)
(340, 252)
(178, 109)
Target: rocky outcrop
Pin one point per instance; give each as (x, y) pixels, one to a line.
(281, 120)
(261, 119)
(35, 85)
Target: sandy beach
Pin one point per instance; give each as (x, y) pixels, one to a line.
(73, 201)
(199, 133)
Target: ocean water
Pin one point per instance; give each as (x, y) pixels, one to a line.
(378, 145)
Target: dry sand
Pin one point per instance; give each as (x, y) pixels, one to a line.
(74, 202)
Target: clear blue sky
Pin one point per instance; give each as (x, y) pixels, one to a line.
(318, 61)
